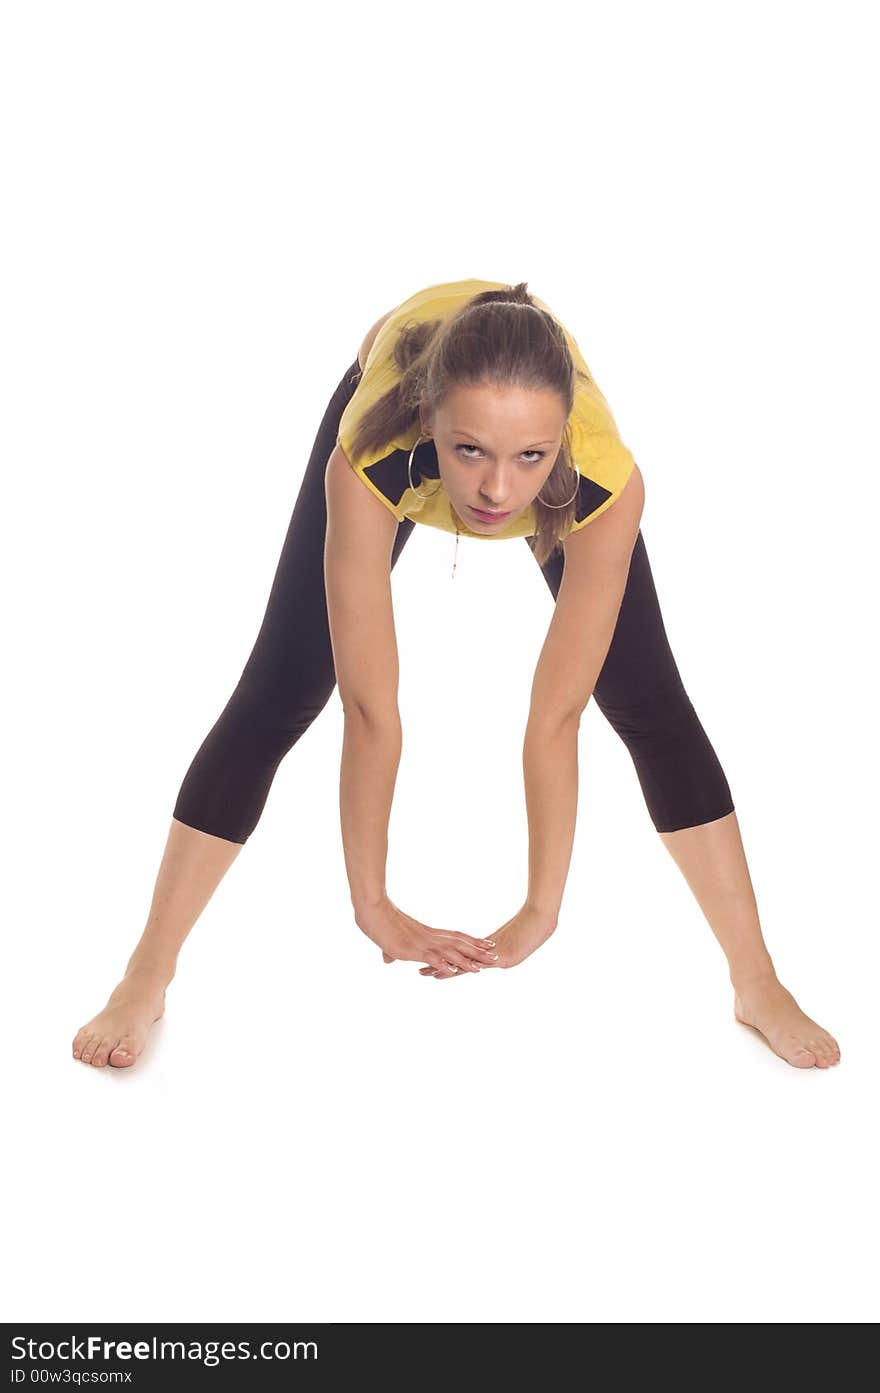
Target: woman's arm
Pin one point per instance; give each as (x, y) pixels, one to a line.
(597, 559)
(357, 575)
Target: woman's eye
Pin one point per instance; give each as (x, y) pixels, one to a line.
(540, 453)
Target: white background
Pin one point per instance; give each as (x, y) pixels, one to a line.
(206, 207)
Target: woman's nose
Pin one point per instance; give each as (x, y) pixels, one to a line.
(494, 491)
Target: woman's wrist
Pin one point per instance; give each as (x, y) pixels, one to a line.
(366, 902)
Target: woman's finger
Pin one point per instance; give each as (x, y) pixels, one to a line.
(435, 960)
(442, 976)
(462, 961)
(466, 954)
(474, 942)
(442, 968)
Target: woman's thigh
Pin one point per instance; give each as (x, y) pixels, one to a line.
(292, 659)
(288, 677)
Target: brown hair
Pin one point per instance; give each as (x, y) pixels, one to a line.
(499, 336)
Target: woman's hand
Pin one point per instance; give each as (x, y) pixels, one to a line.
(399, 936)
(515, 940)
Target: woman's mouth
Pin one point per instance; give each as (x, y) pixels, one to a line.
(490, 517)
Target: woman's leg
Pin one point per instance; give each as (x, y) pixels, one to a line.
(285, 683)
(641, 694)
(289, 676)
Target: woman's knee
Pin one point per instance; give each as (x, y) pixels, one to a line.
(276, 705)
(663, 714)
(681, 776)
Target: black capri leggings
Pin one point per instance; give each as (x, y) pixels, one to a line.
(290, 675)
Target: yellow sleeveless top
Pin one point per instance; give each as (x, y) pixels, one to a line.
(603, 461)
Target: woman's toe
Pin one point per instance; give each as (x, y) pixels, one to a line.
(125, 1053)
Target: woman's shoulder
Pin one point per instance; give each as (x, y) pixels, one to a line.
(370, 339)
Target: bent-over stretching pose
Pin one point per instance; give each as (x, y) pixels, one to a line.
(471, 409)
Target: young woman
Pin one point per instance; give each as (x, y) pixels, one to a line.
(471, 409)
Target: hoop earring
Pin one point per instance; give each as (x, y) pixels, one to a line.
(409, 471)
(570, 500)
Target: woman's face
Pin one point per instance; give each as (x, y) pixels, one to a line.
(495, 448)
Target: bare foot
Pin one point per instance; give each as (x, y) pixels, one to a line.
(117, 1034)
(764, 1004)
